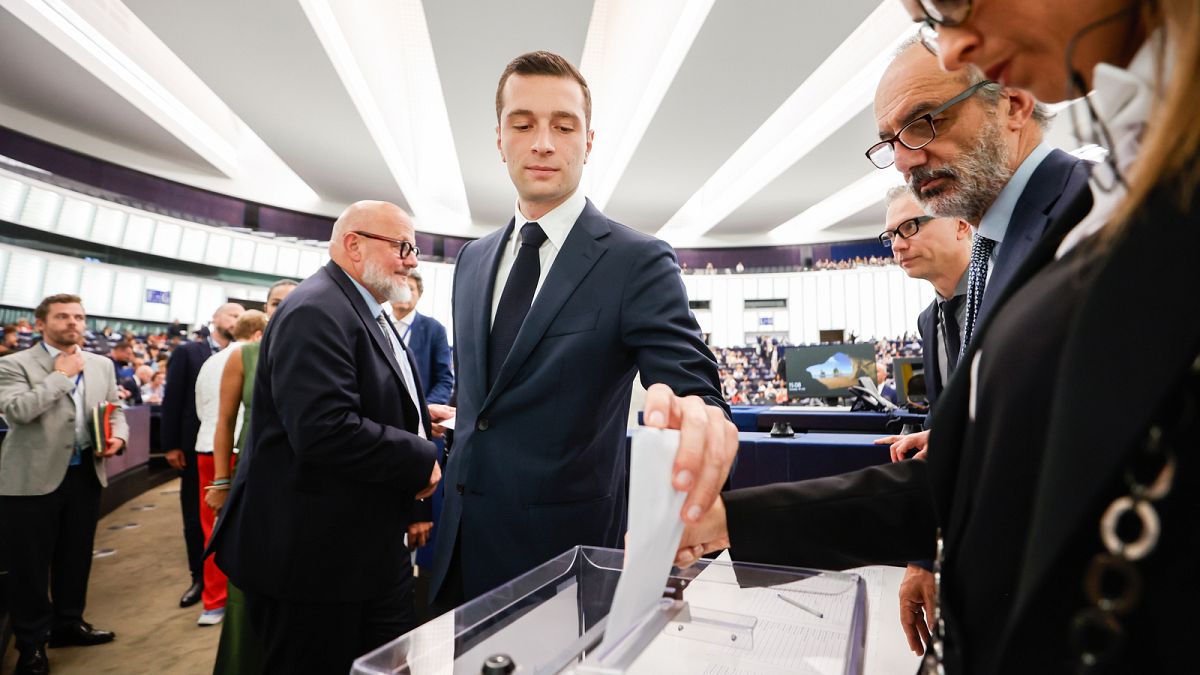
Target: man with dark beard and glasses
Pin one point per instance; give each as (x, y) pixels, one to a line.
(971, 149)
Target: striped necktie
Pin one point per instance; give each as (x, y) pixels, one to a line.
(981, 253)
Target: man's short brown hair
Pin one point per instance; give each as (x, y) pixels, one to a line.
(250, 322)
(544, 63)
(416, 276)
(43, 308)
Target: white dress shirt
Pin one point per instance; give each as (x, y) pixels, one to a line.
(404, 326)
(1122, 98)
(82, 438)
(208, 399)
(556, 224)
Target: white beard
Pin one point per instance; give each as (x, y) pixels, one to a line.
(390, 286)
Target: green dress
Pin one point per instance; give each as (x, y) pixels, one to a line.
(240, 651)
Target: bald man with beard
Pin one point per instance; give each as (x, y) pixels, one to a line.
(313, 530)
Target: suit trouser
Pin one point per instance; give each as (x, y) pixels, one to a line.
(189, 504)
(49, 540)
(325, 637)
(214, 579)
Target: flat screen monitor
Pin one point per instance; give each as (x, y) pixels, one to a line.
(904, 369)
(828, 371)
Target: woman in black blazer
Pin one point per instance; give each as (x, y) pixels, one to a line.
(1061, 485)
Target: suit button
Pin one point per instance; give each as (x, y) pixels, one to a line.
(482, 424)
(460, 488)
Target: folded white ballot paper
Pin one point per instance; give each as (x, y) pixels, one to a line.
(654, 531)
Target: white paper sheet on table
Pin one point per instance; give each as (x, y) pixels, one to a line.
(654, 530)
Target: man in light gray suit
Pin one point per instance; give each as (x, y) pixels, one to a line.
(51, 474)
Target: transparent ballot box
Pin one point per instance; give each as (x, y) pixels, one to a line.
(716, 617)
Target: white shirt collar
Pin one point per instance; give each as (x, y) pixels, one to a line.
(994, 223)
(1123, 98)
(556, 224)
(54, 351)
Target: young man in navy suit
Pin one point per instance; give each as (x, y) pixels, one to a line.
(553, 316)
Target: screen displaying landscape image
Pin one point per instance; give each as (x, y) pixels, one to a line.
(828, 370)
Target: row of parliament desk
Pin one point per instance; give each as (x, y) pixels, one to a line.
(803, 418)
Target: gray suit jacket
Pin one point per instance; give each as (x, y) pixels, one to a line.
(36, 402)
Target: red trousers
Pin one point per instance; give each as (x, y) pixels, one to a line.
(214, 579)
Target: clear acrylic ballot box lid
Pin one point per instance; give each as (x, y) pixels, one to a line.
(716, 617)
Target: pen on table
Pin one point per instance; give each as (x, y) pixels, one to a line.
(806, 608)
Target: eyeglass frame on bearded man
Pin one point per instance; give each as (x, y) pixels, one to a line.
(399, 246)
(926, 118)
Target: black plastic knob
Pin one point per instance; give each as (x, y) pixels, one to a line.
(498, 664)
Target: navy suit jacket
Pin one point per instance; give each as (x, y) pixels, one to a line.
(1052, 188)
(431, 350)
(927, 327)
(538, 464)
(321, 498)
(1050, 192)
(180, 423)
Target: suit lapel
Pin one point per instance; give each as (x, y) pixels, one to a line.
(951, 485)
(1030, 216)
(579, 253)
(927, 322)
(414, 333)
(95, 389)
(364, 315)
(474, 323)
(42, 358)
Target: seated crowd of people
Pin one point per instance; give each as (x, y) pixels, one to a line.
(140, 361)
(751, 375)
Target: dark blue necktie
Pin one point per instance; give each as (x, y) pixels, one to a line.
(516, 298)
(948, 312)
(981, 252)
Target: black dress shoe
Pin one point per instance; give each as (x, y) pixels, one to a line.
(192, 595)
(33, 661)
(79, 634)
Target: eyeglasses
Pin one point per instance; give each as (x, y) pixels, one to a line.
(936, 13)
(919, 132)
(905, 230)
(399, 246)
